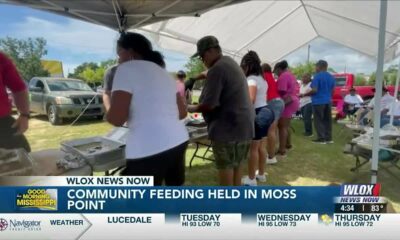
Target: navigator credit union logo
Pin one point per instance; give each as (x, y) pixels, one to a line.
(16, 225)
(37, 199)
(3, 224)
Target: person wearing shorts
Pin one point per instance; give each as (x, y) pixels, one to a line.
(288, 89)
(227, 110)
(251, 66)
(276, 105)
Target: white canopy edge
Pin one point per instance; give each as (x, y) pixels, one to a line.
(311, 13)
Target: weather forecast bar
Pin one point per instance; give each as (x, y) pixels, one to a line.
(108, 208)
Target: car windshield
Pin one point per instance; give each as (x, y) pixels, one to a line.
(68, 85)
(340, 81)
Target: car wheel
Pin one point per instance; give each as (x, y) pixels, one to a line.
(100, 117)
(52, 114)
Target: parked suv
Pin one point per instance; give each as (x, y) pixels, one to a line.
(61, 98)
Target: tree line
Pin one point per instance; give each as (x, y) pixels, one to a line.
(27, 55)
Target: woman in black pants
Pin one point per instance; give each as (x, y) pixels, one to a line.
(145, 96)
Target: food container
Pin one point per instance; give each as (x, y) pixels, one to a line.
(101, 153)
(15, 162)
(197, 132)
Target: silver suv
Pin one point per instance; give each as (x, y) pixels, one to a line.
(61, 98)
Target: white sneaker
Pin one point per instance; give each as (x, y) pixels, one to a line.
(246, 181)
(261, 178)
(271, 160)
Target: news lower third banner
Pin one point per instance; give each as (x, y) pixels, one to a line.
(131, 208)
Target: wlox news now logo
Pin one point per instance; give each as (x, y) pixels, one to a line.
(360, 190)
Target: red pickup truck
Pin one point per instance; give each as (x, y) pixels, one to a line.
(345, 81)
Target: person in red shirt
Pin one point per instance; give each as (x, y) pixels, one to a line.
(275, 104)
(11, 130)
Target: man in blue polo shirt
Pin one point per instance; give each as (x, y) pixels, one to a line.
(322, 87)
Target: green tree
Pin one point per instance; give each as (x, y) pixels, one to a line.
(360, 80)
(193, 68)
(372, 79)
(88, 74)
(389, 76)
(92, 72)
(26, 55)
(81, 68)
(302, 68)
(92, 77)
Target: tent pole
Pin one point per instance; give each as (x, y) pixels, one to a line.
(378, 92)
(396, 90)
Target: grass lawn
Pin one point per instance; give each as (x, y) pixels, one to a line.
(307, 164)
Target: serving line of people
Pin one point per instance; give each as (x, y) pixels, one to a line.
(233, 103)
(242, 105)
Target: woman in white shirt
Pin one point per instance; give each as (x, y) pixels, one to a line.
(251, 66)
(144, 95)
(306, 105)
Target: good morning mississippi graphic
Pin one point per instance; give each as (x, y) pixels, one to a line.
(37, 199)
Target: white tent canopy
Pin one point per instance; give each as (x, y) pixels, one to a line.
(122, 14)
(277, 28)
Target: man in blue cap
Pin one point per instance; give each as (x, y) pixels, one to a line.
(226, 107)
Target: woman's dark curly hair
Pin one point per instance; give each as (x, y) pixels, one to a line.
(142, 46)
(252, 62)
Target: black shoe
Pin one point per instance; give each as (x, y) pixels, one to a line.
(319, 141)
(308, 134)
(329, 142)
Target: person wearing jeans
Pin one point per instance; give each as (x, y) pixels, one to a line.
(393, 109)
(322, 87)
(276, 105)
(306, 105)
(251, 65)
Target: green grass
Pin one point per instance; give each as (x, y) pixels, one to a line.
(307, 164)
(42, 135)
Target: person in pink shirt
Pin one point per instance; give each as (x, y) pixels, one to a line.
(288, 89)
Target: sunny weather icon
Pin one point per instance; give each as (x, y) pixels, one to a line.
(326, 219)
